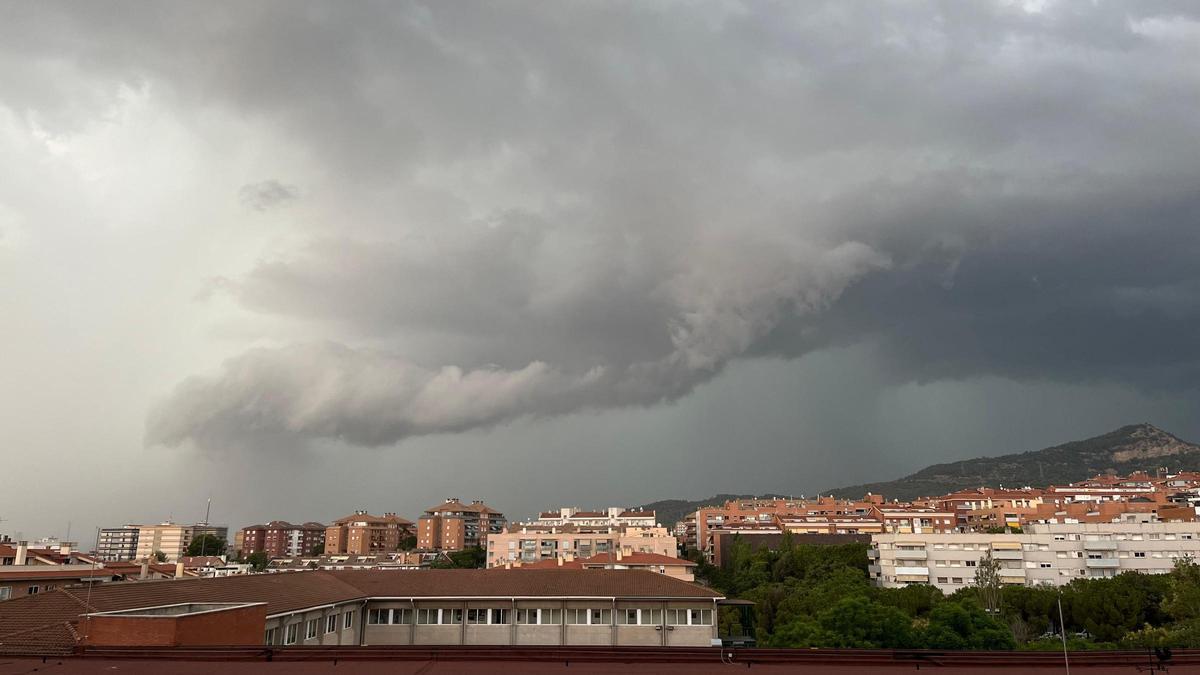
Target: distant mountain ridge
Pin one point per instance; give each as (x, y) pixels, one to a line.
(1136, 447)
(670, 511)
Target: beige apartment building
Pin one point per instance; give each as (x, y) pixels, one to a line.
(170, 538)
(533, 543)
(1046, 553)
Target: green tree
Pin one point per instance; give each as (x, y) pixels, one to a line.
(965, 625)
(987, 583)
(207, 544)
(258, 561)
(407, 543)
(1183, 595)
(857, 622)
(159, 556)
(470, 558)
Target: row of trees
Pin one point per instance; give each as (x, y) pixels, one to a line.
(821, 596)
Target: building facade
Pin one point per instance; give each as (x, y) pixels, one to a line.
(454, 525)
(173, 539)
(364, 534)
(117, 543)
(533, 543)
(281, 539)
(1045, 553)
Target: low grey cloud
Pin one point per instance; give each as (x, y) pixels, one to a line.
(530, 210)
(266, 194)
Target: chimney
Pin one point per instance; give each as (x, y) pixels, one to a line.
(618, 555)
(145, 571)
(64, 548)
(22, 553)
(179, 569)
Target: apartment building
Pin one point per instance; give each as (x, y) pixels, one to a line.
(173, 539)
(454, 525)
(279, 539)
(117, 543)
(1053, 553)
(427, 607)
(533, 543)
(609, 517)
(170, 538)
(364, 534)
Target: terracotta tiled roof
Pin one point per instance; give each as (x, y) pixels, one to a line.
(52, 572)
(637, 514)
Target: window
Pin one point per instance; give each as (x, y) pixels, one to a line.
(486, 616)
(594, 617)
(32, 590)
(643, 617)
(439, 616)
(942, 580)
(310, 629)
(971, 563)
(269, 636)
(331, 623)
(293, 631)
(349, 620)
(546, 617)
(5, 592)
(689, 617)
(1044, 565)
(1139, 554)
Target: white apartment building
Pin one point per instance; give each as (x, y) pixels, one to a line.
(613, 516)
(1047, 553)
(531, 544)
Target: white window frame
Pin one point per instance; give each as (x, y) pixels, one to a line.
(331, 624)
(312, 629)
(291, 634)
(349, 621)
(269, 636)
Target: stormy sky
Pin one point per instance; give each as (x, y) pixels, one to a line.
(313, 257)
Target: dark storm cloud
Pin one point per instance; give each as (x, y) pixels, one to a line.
(552, 207)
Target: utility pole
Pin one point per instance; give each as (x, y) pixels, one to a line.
(1062, 626)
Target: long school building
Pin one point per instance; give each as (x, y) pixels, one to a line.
(372, 607)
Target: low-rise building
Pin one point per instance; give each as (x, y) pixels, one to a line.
(1053, 553)
(428, 607)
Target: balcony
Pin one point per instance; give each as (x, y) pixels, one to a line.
(873, 553)
(1103, 562)
(912, 572)
(912, 555)
(1005, 554)
(1100, 545)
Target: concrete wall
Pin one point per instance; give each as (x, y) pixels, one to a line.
(504, 634)
(340, 636)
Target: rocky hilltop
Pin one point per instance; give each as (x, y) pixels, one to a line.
(1137, 447)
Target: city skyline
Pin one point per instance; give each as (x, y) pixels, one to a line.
(306, 259)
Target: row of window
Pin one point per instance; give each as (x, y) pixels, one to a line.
(502, 616)
(311, 628)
